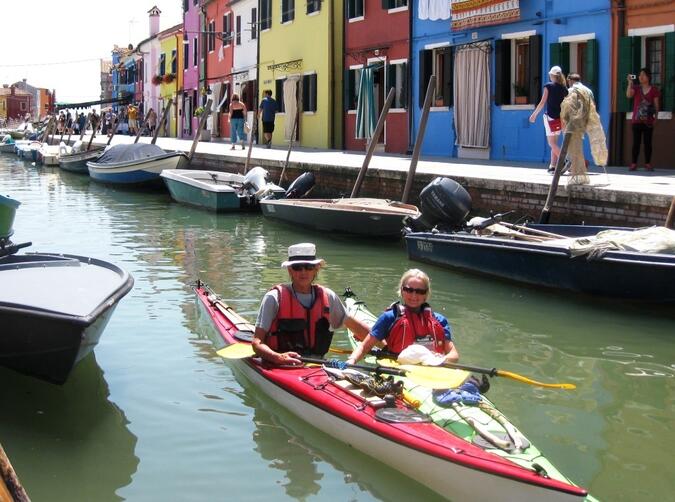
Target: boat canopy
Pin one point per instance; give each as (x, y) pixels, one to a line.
(130, 153)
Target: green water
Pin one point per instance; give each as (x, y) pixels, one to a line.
(156, 415)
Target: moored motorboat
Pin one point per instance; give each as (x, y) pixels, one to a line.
(76, 160)
(626, 263)
(133, 164)
(48, 155)
(54, 308)
(361, 216)
(390, 432)
(219, 191)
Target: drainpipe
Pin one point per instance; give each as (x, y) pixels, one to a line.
(409, 77)
(331, 90)
(617, 119)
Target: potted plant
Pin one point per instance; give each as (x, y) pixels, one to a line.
(157, 79)
(522, 94)
(168, 78)
(199, 111)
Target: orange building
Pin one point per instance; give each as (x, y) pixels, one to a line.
(643, 32)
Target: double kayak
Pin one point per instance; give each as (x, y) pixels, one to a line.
(444, 454)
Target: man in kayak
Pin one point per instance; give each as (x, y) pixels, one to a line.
(410, 321)
(299, 318)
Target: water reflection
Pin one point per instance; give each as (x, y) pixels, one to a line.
(58, 434)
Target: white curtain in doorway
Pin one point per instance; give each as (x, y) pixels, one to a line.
(472, 95)
(215, 97)
(290, 105)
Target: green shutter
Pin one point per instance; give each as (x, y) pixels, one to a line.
(629, 62)
(668, 94)
(404, 86)
(448, 97)
(559, 55)
(536, 62)
(347, 89)
(426, 64)
(591, 68)
(502, 72)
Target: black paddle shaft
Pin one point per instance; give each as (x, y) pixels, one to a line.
(475, 369)
(375, 369)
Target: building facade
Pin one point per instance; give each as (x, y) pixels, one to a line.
(191, 58)
(244, 74)
(15, 103)
(170, 78)
(377, 37)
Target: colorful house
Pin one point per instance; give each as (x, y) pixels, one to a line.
(377, 36)
(645, 38)
(15, 103)
(191, 59)
(170, 77)
(219, 53)
(301, 60)
(490, 65)
(149, 49)
(244, 74)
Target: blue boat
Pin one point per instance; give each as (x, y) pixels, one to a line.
(134, 164)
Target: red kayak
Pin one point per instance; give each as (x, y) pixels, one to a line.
(391, 432)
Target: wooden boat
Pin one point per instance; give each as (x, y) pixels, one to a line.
(218, 191)
(53, 309)
(76, 161)
(390, 432)
(134, 164)
(360, 216)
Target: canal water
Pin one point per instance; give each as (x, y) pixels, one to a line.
(155, 414)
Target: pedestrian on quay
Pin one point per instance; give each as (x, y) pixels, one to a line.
(151, 120)
(646, 100)
(554, 92)
(81, 122)
(236, 118)
(410, 321)
(299, 318)
(95, 120)
(132, 113)
(267, 111)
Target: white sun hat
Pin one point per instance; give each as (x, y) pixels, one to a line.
(418, 354)
(304, 252)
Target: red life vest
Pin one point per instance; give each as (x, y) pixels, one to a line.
(415, 327)
(300, 329)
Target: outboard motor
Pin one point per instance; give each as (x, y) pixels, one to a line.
(442, 202)
(301, 186)
(256, 179)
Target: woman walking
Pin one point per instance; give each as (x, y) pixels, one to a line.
(554, 93)
(646, 100)
(237, 116)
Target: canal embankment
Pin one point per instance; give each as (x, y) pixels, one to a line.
(614, 196)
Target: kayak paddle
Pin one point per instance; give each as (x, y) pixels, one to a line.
(509, 374)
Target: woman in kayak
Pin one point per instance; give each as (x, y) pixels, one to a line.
(299, 318)
(410, 321)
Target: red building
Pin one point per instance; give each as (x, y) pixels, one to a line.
(219, 50)
(15, 103)
(377, 36)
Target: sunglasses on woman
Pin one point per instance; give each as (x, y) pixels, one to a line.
(303, 266)
(410, 290)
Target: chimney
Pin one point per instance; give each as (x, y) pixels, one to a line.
(154, 20)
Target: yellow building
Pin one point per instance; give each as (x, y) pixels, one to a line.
(301, 60)
(171, 73)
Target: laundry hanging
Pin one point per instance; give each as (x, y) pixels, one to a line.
(433, 10)
(365, 106)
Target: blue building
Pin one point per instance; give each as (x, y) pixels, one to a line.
(490, 77)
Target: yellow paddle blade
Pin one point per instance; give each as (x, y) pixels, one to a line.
(521, 378)
(236, 351)
(430, 376)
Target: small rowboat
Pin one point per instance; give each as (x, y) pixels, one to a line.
(361, 216)
(76, 162)
(393, 433)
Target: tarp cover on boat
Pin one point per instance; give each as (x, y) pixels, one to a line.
(643, 240)
(130, 153)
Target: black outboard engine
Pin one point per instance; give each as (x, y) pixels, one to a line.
(301, 186)
(443, 202)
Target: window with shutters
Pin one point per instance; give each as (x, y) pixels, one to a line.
(227, 29)
(195, 52)
(265, 14)
(313, 6)
(279, 94)
(211, 37)
(577, 56)
(351, 87)
(438, 62)
(186, 52)
(254, 23)
(162, 64)
(287, 11)
(237, 31)
(355, 9)
(309, 93)
(518, 70)
(174, 62)
(397, 78)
